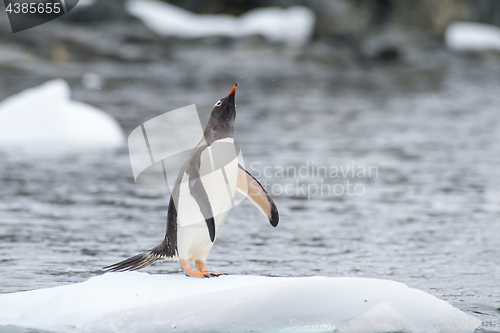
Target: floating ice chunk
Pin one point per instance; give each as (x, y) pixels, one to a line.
(293, 25)
(467, 36)
(139, 302)
(45, 119)
(92, 81)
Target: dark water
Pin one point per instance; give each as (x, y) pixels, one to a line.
(428, 216)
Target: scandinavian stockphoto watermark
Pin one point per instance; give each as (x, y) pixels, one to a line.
(160, 147)
(310, 179)
(390, 326)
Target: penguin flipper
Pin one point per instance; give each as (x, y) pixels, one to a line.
(253, 190)
(200, 195)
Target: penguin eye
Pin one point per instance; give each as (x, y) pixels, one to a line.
(218, 103)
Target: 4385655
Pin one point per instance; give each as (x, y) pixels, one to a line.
(34, 7)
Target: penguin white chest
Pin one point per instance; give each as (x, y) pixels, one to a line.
(218, 173)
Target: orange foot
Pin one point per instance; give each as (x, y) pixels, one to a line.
(214, 274)
(201, 272)
(200, 266)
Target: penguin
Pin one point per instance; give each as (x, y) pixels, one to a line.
(202, 196)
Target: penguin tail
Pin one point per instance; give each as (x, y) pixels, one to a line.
(162, 252)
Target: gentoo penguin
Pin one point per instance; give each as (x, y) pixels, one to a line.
(202, 197)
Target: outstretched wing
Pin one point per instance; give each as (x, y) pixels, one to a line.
(253, 190)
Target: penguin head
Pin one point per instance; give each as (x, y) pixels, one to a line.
(225, 108)
(221, 122)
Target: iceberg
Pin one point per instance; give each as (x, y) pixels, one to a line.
(468, 36)
(44, 119)
(141, 302)
(294, 25)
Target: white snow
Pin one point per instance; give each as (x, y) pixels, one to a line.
(468, 36)
(293, 25)
(85, 3)
(45, 119)
(140, 302)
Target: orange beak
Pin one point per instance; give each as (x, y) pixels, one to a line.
(233, 90)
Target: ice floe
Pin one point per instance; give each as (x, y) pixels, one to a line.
(140, 302)
(44, 119)
(469, 36)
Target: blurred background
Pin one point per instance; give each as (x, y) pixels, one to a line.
(399, 85)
